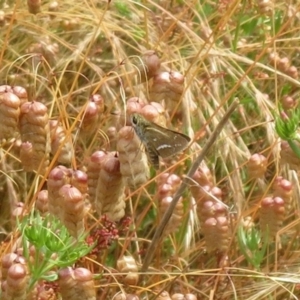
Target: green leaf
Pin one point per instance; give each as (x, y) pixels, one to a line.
(54, 246)
(286, 126)
(122, 8)
(250, 242)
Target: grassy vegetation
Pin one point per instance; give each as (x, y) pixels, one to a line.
(72, 73)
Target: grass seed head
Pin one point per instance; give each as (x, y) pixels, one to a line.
(9, 114)
(257, 166)
(16, 282)
(34, 6)
(272, 212)
(35, 135)
(133, 159)
(106, 185)
(76, 284)
(73, 209)
(127, 264)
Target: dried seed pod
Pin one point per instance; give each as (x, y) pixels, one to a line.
(91, 116)
(134, 163)
(133, 105)
(288, 156)
(149, 67)
(177, 215)
(274, 58)
(261, 76)
(212, 208)
(58, 137)
(76, 284)
(167, 184)
(9, 114)
(53, 7)
(208, 193)
(203, 178)
(168, 86)
(7, 261)
(34, 6)
(284, 64)
(154, 112)
(58, 177)
(293, 72)
(127, 264)
(201, 194)
(42, 202)
(106, 187)
(164, 296)
(71, 25)
(283, 188)
(16, 282)
(5, 88)
(35, 131)
(93, 170)
(43, 291)
(26, 153)
(21, 93)
(213, 216)
(247, 223)
(112, 136)
(18, 212)
(288, 102)
(257, 166)
(272, 214)
(169, 178)
(265, 6)
(216, 234)
(79, 179)
(2, 18)
(72, 210)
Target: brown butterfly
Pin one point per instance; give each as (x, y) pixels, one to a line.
(158, 141)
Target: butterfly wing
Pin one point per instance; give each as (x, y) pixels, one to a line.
(153, 155)
(168, 142)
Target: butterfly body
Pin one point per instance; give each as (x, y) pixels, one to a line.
(158, 140)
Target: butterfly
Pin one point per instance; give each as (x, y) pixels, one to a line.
(158, 141)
